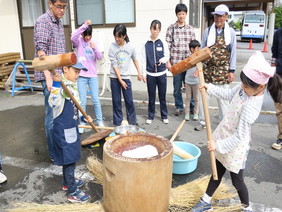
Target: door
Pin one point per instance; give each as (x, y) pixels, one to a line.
(29, 11)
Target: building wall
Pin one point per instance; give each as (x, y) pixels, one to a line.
(10, 37)
(146, 11)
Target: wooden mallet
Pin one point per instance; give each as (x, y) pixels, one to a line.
(67, 59)
(191, 61)
(196, 59)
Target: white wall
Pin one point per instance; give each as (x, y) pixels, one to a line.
(10, 37)
(146, 12)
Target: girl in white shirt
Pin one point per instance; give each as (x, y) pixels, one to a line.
(231, 139)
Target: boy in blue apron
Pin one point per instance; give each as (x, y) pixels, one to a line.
(65, 133)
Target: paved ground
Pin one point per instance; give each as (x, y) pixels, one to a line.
(32, 177)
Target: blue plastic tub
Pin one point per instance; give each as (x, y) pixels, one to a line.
(185, 166)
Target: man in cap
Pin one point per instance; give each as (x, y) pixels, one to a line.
(219, 70)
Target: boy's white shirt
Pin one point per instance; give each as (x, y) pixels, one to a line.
(57, 96)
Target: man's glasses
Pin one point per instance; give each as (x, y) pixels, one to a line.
(61, 7)
(219, 16)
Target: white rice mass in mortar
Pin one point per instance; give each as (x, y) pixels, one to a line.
(141, 152)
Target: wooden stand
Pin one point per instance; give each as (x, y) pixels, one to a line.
(7, 63)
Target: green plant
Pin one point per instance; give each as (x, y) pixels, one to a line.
(278, 17)
(237, 25)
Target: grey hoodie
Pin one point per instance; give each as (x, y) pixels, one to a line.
(120, 58)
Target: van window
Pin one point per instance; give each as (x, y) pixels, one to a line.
(254, 19)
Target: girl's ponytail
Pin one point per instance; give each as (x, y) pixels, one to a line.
(274, 87)
(126, 38)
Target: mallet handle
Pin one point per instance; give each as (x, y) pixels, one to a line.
(74, 101)
(207, 118)
(177, 150)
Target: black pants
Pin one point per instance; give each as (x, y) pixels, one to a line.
(237, 182)
(152, 84)
(117, 89)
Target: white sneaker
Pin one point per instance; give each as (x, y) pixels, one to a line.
(3, 178)
(81, 130)
(101, 124)
(148, 121)
(165, 121)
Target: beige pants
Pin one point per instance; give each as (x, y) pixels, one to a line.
(278, 107)
(192, 90)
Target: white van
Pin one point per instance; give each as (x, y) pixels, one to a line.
(253, 25)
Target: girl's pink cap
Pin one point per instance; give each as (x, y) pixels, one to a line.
(258, 69)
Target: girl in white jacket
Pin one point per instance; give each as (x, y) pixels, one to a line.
(231, 139)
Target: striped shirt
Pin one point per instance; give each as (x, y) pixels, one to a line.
(49, 37)
(178, 39)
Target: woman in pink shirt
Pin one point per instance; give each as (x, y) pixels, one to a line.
(87, 53)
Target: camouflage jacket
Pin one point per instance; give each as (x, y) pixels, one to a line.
(216, 69)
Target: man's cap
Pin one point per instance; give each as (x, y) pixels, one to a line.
(258, 69)
(79, 65)
(221, 10)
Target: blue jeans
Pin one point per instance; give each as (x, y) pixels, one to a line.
(93, 85)
(152, 83)
(178, 81)
(69, 179)
(48, 120)
(117, 105)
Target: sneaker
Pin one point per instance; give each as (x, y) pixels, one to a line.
(165, 121)
(81, 130)
(178, 112)
(248, 209)
(79, 183)
(187, 117)
(101, 124)
(78, 197)
(3, 178)
(148, 121)
(277, 145)
(195, 116)
(202, 206)
(200, 127)
(124, 123)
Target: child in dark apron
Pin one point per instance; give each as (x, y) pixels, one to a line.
(65, 133)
